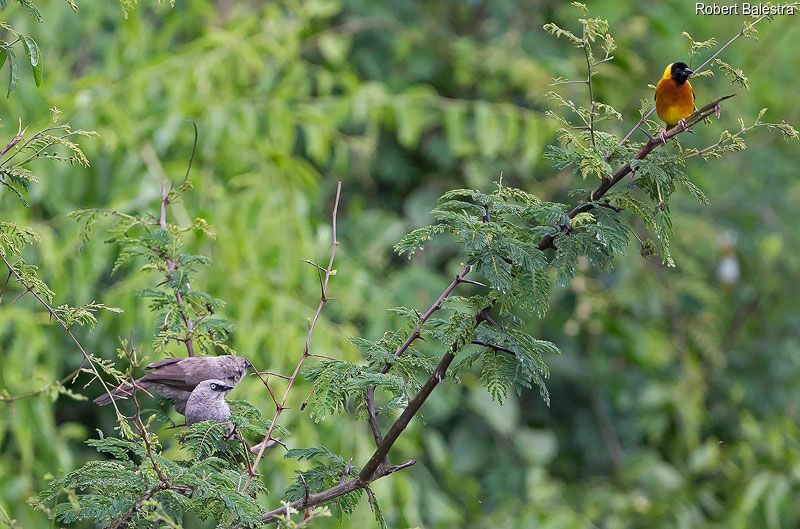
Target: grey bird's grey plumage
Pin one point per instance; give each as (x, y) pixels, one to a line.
(176, 378)
(207, 403)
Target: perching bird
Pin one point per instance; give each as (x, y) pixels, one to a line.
(175, 378)
(674, 96)
(207, 403)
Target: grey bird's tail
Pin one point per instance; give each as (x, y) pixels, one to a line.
(122, 392)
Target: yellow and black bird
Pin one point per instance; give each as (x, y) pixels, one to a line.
(674, 96)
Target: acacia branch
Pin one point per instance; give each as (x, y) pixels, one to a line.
(323, 299)
(371, 413)
(56, 317)
(172, 266)
(625, 170)
(696, 70)
(377, 466)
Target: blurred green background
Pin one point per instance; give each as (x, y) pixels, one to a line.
(677, 398)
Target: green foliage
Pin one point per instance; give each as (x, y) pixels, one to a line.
(402, 103)
(30, 47)
(327, 470)
(206, 483)
(183, 314)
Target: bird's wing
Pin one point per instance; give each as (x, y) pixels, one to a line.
(183, 373)
(162, 363)
(173, 375)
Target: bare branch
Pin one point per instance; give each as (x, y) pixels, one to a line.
(323, 299)
(191, 158)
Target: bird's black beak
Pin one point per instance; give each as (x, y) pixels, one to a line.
(688, 71)
(249, 365)
(227, 388)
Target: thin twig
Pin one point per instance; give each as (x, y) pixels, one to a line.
(172, 266)
(39, 392)
(191, 158)
(323, 299)
(56, 317)
(589, 84)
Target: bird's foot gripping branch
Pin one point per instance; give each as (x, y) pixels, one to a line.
(514, 248)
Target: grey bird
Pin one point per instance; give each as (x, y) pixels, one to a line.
(175, 378)
(207, 403)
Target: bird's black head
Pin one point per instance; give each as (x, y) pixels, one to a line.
(680, 72)
(220, 387)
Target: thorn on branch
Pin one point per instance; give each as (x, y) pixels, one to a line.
(305, 486)
(401, 466)
(322, 356)
(607, 204)
(20, 296)
(483, 315)
(346, 471)
(493, 346)
(471, 282)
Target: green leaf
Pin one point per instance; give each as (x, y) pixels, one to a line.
(3, 56)
(35, 56)
(13, 75)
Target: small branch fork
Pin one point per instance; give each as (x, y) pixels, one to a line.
(371, 413)
(326, 274)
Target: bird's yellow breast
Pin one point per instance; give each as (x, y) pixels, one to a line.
(673, 101)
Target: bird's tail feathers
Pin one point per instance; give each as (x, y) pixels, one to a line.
(122, 392)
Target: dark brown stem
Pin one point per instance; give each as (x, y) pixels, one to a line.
(367, 473)
(371, 414)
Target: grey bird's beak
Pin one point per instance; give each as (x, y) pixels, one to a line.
(227, 388)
